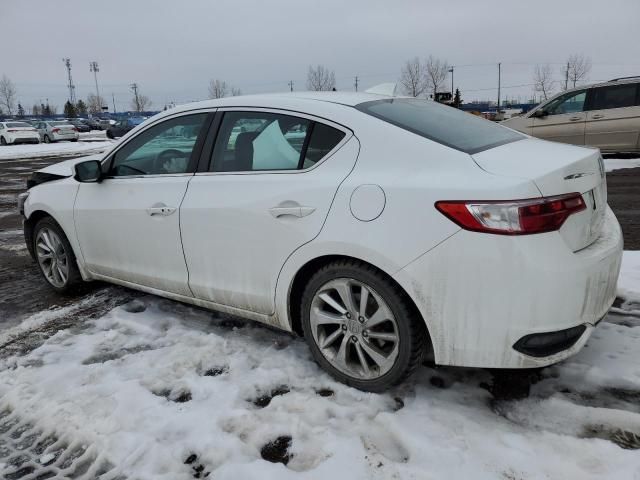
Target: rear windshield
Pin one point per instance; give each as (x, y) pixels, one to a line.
(59, 123)
(17, 124)
(440, 123)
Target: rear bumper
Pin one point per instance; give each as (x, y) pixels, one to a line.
(16, 140)
(481, 294)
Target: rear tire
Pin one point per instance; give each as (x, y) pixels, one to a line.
(361, 327)
(55, 257)
(3, 142)
(47, 139)
(109, 134)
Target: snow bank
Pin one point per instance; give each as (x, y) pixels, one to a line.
(611, 164)
(629, 282)
(23, 151)
(154, 382)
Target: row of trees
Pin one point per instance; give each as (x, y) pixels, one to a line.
(575, 71)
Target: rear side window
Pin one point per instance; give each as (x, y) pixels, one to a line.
(440, 123)
(257, 141)
(615, 96)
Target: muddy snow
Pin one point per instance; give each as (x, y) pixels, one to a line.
(157, 389)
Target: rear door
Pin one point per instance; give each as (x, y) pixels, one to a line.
(128, 225)
(565, 119)
(613, 120)
(269, 186)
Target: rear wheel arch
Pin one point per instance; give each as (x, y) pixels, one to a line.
(304, 274)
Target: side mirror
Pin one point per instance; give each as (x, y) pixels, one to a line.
(89, 171)
(539, 113)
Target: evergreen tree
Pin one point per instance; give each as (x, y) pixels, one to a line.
(456, 99)
(81, 108)
(35, 110)
(69, 110)
(46, 110)
(43, 110)
(20, 110)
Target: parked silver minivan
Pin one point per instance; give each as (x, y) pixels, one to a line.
(604, 115)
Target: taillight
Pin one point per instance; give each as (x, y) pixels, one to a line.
(513, 217)
(74, 129)
(54, 130)
(12, 130)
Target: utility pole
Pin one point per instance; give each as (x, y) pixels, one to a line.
(113, 97)
(134, 89)
(290, 85)
(93, 67)
(451, 72)
(356, 83)
(499, 73)
(71, 86)
(566, 78)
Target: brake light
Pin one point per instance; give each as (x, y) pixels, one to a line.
(513, 217)
(74, 129)
(55, 130)
(12, 130)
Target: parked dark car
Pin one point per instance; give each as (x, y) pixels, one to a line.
(94, 124)
(123, 126)
(80, 125)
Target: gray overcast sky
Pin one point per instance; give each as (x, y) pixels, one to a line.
(172, 48)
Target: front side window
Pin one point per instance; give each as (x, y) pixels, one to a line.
(165, 148)
(255, 141)
(615, 96)
(570, 103)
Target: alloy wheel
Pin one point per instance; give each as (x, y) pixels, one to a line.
(52, 257)
(354, 328)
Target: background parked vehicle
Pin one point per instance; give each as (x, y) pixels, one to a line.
(80, 125)
(56, 130)
(17, 132)
(123, 126)
(604, 115)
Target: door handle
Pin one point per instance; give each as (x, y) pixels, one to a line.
(161, 210)
(297, 211)
(575, 119)
(597, 116)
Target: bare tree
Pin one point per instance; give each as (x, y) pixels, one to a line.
(578, 67)
(413, 77)
(7, 94)
(218, 88)
(321, 78)
(236, 92)
(436, 73)
(139, 102)
(543, 80)
(94, 103)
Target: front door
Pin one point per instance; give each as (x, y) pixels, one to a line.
(564, 120)
(128, 224)
(269, 189)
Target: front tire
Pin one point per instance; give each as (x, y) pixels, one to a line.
(3, 142)
(55, 256)
(360, 326)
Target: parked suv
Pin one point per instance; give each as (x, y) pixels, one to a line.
(52, 131)
(604, 115)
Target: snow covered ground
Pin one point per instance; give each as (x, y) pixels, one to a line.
(160, 390)
(82, 147)
(611, 164)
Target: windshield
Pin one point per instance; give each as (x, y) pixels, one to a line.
(440, 123)
(18, 125)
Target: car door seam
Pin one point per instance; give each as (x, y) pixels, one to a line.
(184, 254)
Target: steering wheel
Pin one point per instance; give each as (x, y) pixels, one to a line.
(164, 160)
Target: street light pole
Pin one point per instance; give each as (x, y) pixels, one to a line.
(93, 67)
(451, 72)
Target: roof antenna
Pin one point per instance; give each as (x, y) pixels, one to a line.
(387, 89)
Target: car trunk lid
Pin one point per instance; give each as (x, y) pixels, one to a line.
(557, 169)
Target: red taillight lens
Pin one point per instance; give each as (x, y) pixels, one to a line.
(517, 217)
(55, 130)
(12, 130)
(74, 129)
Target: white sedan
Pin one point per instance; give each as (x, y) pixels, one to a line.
(17, 132)
(382, 229)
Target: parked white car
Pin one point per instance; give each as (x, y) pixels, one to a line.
(54, 131)
(17, 132)
(397, 228)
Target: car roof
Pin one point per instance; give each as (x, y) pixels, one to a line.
(276, 100)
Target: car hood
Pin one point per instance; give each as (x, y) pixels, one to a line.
(65, 168)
